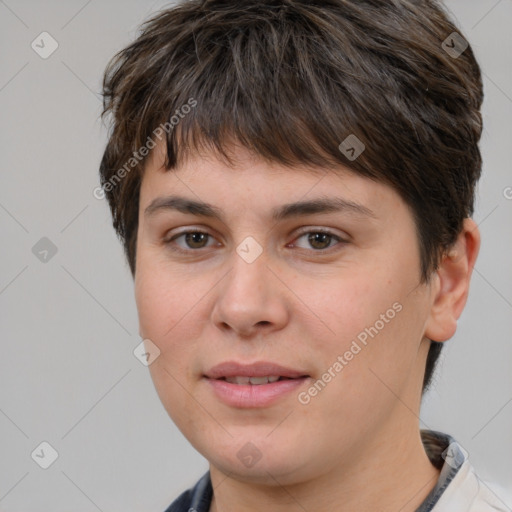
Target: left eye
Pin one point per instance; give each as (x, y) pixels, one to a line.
(319, 240)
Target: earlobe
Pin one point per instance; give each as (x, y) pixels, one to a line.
(450, 285)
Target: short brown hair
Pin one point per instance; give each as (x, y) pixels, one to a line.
(290, 80)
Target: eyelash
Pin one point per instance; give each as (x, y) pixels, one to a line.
(171, 242)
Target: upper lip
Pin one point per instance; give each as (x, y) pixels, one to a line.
(258, 369)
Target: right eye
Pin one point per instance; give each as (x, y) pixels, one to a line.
(194, 240)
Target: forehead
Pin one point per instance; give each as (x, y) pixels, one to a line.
(250, 182)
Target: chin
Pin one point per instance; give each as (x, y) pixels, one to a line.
(259, 459)
(264, 472)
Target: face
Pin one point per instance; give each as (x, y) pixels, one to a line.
(251, 284)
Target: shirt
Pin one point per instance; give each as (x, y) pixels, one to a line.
(458, 488)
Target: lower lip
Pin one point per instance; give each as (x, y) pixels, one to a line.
(249, 395)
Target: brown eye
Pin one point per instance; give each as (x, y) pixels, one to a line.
(196, 239)
(319, 240)
(189, 241)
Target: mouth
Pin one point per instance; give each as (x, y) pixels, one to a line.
(254, 385)
(256, 381)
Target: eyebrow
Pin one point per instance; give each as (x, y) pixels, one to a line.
(301, 208)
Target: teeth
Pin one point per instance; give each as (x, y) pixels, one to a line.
(238, 380)
(252, 380)
(258, 380)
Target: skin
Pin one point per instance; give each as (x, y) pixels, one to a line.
(300, 305)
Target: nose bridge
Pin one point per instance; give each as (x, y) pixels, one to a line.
(249, 295)
(248, 278)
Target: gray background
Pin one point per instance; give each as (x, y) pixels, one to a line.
(69, 325)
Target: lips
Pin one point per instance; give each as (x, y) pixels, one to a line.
(265, 369)
(253, 385)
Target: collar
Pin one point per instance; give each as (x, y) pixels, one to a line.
(445, 454)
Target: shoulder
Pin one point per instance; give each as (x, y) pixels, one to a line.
(467, 492)
(195, 499)
(181, 503)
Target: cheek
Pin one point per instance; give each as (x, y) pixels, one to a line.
(363, 378)
(165, 310)
(346, 306)
(162, 298)
(152, 303)
(372, 321)
(172, 315)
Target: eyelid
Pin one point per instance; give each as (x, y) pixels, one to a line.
(311, 229)
(341, 240)
(328, 231)
(168, 240)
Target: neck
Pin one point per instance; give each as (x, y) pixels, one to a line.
(393, 473)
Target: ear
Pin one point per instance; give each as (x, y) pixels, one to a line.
(450, 284)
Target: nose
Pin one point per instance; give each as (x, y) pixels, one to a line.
(250, 299)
